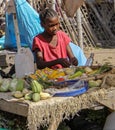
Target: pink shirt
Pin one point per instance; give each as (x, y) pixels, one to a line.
(49, 51)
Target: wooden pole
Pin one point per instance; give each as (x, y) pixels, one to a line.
(53, 4)
(79, 22)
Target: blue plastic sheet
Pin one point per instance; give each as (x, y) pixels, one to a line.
(2, 40)
(79, 54)
(28, 22)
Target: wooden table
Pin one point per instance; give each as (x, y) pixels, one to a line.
(109, 100)
(52, 111)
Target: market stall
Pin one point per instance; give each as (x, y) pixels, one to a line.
(51, 111)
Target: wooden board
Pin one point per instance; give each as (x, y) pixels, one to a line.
(14, 107)
(109, 100)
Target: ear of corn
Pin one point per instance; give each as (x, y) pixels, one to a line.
(44, 95)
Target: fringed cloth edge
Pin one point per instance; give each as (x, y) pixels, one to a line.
(43, 112)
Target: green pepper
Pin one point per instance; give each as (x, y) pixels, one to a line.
(76, 74)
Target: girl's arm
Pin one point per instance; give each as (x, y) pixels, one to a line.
(72, 58)
(42, 64)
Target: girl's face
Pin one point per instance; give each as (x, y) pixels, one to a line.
(51, 25)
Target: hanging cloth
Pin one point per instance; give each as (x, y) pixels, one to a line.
(70, 6)
(28, 22)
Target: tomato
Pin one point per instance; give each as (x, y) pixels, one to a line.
(60, 79)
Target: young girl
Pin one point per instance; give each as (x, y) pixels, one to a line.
(52, 48)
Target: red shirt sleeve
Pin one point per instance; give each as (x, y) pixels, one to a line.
(35, 43)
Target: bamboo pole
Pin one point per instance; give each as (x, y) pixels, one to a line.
(80, 36)
(53, 4)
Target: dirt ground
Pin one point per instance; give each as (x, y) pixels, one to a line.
(102, 56)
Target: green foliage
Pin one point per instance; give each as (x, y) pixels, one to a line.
(97, 116)
(12, 122)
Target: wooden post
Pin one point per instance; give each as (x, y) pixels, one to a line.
(53, 4)
(79, 22)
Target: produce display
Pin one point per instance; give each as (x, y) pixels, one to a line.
(51, 78)
(33, 87)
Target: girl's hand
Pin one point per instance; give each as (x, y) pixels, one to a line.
(74, 61)
(64, 62)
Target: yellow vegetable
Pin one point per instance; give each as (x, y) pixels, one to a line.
(69, 71)
(93, 72)
(88, 69)
(18, 94)
(54, 73)
(44, 95)
(99, 82)
(59, 74)
(33, 76)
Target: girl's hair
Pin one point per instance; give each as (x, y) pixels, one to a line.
(47, 13)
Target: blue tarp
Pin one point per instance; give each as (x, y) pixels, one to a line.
(2, 40)
(28, 22)
(79, 54)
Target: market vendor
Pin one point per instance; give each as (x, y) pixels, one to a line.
(52, 47)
